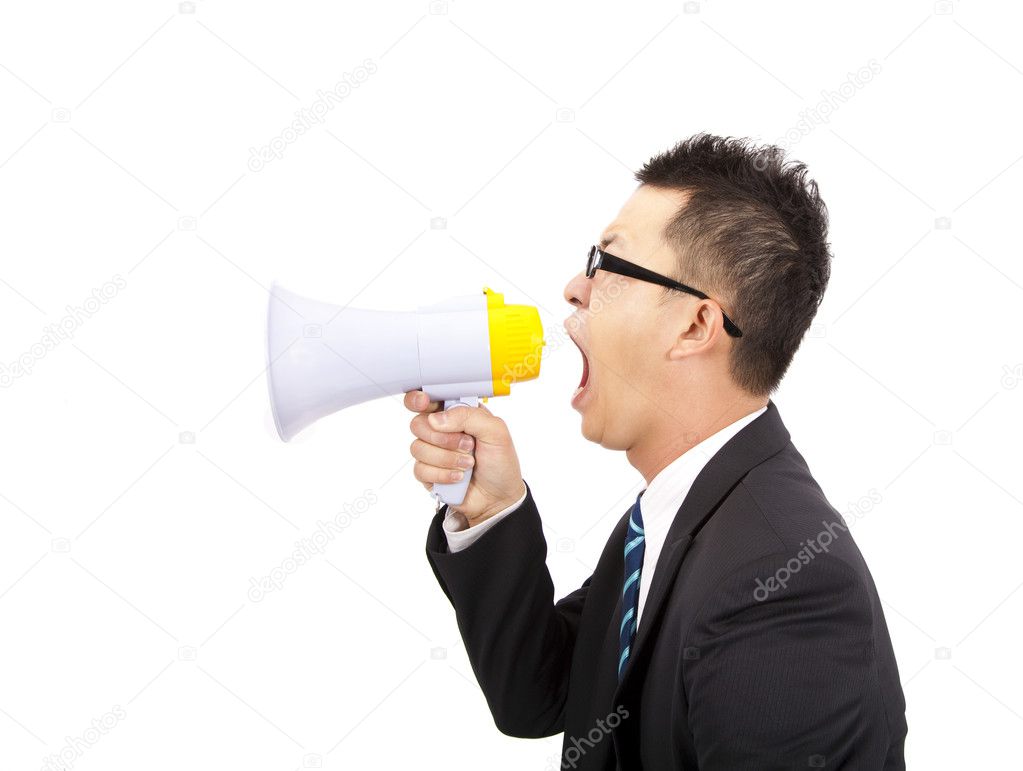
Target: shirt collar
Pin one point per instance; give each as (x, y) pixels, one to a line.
(666, 492)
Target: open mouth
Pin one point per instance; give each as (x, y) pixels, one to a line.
(586, 371)
(585, 378)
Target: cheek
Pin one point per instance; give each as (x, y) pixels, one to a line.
(624, 327)
(607, 348)
(621, 344)
(634, 327)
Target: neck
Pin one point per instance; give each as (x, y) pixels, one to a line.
(672, 434)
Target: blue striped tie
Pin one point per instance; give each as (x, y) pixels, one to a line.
(634, 548)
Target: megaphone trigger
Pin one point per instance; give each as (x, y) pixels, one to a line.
(454, 492)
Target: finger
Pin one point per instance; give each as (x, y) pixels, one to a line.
(439, 457)
(481, 424)
(418, 401)
(420, 428)
(434, 475)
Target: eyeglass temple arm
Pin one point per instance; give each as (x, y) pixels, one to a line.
(638, 271)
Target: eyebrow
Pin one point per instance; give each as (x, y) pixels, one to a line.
(606, 242)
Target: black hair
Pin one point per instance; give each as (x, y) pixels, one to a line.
(752, 234)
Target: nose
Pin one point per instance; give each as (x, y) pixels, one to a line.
(577, 291)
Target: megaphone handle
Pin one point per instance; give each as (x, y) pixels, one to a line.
(454, 492)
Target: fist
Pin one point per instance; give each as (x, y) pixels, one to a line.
(450, 441)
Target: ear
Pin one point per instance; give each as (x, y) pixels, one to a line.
(700, 324)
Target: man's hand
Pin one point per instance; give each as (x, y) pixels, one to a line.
(444, 446)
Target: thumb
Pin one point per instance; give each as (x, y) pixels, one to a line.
(475, 421)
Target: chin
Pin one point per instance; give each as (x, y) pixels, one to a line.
(598, 433)
(589, 432)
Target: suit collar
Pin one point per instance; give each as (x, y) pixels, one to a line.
(755, 443)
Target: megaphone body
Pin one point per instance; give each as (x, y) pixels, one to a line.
(322, 358)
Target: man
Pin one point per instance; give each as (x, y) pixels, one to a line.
(731, 622)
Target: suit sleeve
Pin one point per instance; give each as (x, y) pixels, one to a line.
(780, 670)
(518, 639)
(461, 537)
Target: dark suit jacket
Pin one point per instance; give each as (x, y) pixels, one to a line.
(762, 644)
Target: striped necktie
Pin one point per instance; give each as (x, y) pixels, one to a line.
(634, 548)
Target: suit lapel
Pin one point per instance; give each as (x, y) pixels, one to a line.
(754, 444)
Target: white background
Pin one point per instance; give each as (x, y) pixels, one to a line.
(141, 485)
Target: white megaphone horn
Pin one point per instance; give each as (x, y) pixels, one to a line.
(322, 358)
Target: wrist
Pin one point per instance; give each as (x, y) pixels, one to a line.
(496, 508)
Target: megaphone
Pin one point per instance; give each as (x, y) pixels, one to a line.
(322, 358)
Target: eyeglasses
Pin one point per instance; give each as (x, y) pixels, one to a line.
(598, 258)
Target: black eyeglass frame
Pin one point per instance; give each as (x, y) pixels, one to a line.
(597, 258)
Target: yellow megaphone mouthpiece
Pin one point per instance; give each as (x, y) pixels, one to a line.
(516, 342)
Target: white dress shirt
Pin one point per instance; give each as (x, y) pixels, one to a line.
(659, 504)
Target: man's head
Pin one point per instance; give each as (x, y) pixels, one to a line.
(732, 220)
